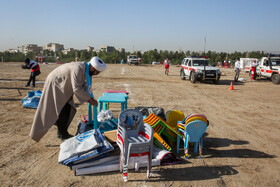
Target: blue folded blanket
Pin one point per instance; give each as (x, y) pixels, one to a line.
(32, 99)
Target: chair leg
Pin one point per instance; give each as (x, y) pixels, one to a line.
(121, 162)
(178, 143)
(125, 170)
(186, 145)
(149, 166)
(200, 147)
(195, 147)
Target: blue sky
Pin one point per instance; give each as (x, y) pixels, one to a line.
(228, 25)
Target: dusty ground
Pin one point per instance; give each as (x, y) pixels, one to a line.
(241, 147)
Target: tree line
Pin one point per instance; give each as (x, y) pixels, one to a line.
(116, 56)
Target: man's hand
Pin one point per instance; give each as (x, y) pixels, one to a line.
(23, 66)
(93, 102)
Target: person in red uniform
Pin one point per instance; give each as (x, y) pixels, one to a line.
(35, 70)
(166, 66)
(253, 70)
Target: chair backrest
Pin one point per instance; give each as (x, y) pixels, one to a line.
(131, 119)
(173, 117)
(194, 115)
(195, 130)
(195, 118)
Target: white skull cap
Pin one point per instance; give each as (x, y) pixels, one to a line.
(98, 64)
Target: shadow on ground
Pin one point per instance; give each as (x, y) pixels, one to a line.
(209, 151)
(180, 174)
(228, 82)
(235, 153)
(222, 142)
(13, 88)
(13, 79)
(12, 99)
(190, 173)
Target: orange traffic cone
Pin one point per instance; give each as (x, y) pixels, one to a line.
(231, 87)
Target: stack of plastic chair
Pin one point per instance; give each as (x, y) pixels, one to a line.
(192, 128)
(134, 138)
(160, 126)
(172, 117)
(192, 117)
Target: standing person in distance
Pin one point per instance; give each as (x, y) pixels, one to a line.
(166, 66)
(237, 70)
(253, 70)
(35, 70)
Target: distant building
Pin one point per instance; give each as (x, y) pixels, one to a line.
(97, 51)
(66, 51)
(121, 49)
(89, 48)
(180, 50)
(13, 50)
(108, 49)
(55, 47)
(200, 52)
(31, 48)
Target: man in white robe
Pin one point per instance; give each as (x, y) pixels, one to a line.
(56, 105)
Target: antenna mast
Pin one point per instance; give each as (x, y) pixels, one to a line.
(204, 44)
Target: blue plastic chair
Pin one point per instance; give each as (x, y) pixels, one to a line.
(193, 133)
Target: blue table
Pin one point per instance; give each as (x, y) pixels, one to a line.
(116, 95)
(112, 98)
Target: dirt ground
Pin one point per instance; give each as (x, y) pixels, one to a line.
(241, 146)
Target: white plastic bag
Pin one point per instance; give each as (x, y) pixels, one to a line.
(104, 116)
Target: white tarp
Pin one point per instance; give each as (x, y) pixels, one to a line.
(78, 145)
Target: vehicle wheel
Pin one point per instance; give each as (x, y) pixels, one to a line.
(136, 64)
(182, 75)
(193, 79)
(275, 78)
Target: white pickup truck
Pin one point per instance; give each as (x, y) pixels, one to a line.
(198, 69)
(132, 59)
(269, 67)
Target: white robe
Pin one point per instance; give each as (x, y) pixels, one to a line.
(61, 84)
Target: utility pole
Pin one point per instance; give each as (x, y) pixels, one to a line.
(204, 44)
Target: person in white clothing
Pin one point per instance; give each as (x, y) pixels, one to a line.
(237, 69)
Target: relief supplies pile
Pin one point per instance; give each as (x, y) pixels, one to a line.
(88, 153)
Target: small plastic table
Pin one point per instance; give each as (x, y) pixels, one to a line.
(111, 98)
(116, 95)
